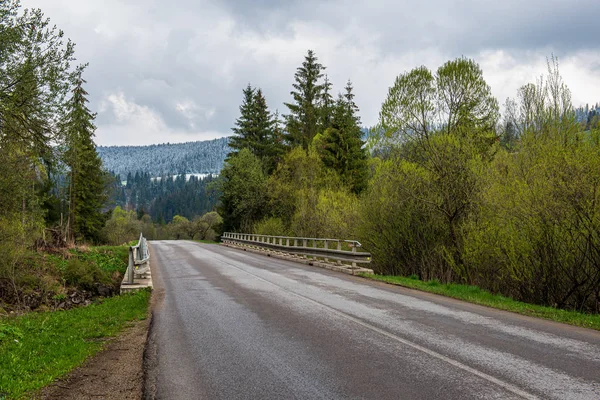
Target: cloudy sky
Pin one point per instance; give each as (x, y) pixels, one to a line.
(173, 71)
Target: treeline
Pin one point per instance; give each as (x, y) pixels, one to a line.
(588, 116)
(124, 225)
(291, 175)
(50, 173)
(450, 190)
(164, 197)
(202, 157)
(52, 186)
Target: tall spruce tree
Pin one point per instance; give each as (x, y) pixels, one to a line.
(303, 120)
(341, 147)
(276, 149)
(87, 180)
(245, 125)
(326, 106)
(257, 130)
(263, 122)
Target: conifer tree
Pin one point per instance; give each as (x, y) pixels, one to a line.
(257, 130)
(244, 126)
(87, 180)
(341, 146)
(263, 123)
(302, 122)
(350, 104)
(326, 106)
(276, 149)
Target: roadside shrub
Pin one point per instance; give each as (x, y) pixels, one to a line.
(536, 236)
(271, 226)
(85, 275)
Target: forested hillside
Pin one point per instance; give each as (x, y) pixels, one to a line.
(204, 157)
(451, 191)
(164, 198)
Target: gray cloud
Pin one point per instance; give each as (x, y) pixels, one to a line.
(174, 71)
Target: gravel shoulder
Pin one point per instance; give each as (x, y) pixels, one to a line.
(116, 372)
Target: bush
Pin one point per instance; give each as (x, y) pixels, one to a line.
(85, 275)
(537, 231)
(271, 226)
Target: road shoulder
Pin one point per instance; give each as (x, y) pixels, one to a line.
(113, 373)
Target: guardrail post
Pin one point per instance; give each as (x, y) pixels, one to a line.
(326, 248)
(130, 267)
(305, 244)
(339, 247)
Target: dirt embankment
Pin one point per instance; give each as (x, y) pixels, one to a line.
(117, 372)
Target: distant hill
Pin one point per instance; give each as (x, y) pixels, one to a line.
(206, 157)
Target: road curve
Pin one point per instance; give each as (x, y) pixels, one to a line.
(230, 324)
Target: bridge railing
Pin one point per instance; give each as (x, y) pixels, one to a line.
(326, 249)
(139, 258)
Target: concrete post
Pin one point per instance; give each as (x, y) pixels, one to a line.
(131, 266)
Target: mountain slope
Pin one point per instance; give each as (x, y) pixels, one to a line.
(205, 157)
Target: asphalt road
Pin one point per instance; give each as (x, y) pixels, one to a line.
(230, 324)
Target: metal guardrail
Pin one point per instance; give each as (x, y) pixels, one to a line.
(309, 247)
(138, 260)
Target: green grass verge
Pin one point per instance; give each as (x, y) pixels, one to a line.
(108, 258)
(474, 294)
(37, 348)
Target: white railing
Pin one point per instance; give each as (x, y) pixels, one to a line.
(326, 249)
(139, 258)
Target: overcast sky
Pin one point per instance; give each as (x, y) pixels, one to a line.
(173, 71)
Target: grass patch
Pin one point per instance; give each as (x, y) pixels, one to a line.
(474, 294)
(37, 348)
(107, 258)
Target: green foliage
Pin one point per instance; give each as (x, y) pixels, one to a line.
(85, 275)
(294, 188)
(303, 121)
(257, 130)
(87, 180)
(441, 129)
(34, 78)
(336, 214)
(243, 185)
(538, 227)
(271, 226)
(341, 147)
(543, 107)
(208, 226)
(108, 258)
(41, 347)
(456, 100)
(402, 233)
(122, 227)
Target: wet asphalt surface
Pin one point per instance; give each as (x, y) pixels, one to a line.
(230, 324)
